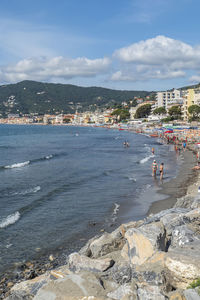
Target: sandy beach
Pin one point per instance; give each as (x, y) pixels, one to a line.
(185, 182)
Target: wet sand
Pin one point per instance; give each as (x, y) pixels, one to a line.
(178, 187)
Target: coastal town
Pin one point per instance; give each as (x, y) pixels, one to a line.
(169, 105)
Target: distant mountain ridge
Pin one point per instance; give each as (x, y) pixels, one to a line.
(38, 97)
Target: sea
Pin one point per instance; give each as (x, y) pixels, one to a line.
(61, 185)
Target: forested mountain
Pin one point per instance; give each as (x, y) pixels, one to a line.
(37, 97)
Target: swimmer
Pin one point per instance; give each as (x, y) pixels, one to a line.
(153, 150)
(161, 171)
(154, 168)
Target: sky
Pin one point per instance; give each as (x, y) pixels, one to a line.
(120, 44)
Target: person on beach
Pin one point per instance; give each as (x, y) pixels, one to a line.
(184, 146)
(161, 171)
(154, 168)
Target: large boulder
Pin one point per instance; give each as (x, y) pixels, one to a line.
(183, 265)
(150, 292)
(79, 262)
(72, 287)
(107, 243)
(144, 242)
(27, 289)
(123, 291)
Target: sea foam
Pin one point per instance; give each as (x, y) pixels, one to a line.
(18, 165)
(9, 220)
(144, 160)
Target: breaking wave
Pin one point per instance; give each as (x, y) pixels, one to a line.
(9, 220)
(18, 165)
(115, 211)
(28, 191)
(144, 160)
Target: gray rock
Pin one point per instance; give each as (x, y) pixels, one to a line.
(192, 294)
(122, 291)
(19, 295)
(107, 243)
(157, 217)
(73, 286)
(150, 292)
(79, 262)
(181, 236)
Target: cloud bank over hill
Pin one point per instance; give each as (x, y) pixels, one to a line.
(160, 57)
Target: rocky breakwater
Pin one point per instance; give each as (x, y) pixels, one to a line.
(155, 258)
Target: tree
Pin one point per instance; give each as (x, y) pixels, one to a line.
(143, 111)
(159, 111)
(122, 114)
(175, 112)
(194, 111)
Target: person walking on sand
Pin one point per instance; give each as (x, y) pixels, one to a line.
(154, 168)
(161, 171)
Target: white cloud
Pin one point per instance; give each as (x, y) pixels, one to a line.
(159, 50)
(57, 67)
(195, 79)
(157, 58)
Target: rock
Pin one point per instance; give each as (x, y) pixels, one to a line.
(51, 257)
(144, 241)
(183, 265)
(10, 284)
(157, 217)
(177, 295)
(121, 274)
(196, 203)
(184, 202)
(27, 289)
(85, 250)
(19, 295)
(107, 243)
(71, 287)
(150, 292)
(192, 294)
(181, 236)
(122, 292)
(79, 262)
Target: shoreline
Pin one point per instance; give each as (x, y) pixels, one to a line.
(177, 187)
(184, 182)
(155, 271)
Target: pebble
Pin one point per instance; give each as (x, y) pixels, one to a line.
(51, 257)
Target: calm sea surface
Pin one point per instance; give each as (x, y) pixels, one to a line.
(59, 185)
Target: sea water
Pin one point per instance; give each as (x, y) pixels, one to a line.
(60, 185)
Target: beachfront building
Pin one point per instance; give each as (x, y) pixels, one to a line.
(168, 98)
(191, 97)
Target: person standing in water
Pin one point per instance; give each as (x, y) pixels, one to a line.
(161, 171)
(152, 150)
(154, 168)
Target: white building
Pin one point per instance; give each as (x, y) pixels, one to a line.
(168, 98)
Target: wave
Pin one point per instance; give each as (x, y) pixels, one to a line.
(25, 163)
(49, 156)
(9, 220)
(18, 165)
(115, 211)
(28, 191)
(144, 160)
(132, 179)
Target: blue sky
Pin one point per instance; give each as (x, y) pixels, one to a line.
(120, 44)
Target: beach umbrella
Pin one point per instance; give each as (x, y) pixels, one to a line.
(169, 131)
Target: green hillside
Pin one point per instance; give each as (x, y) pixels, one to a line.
(37, 97)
